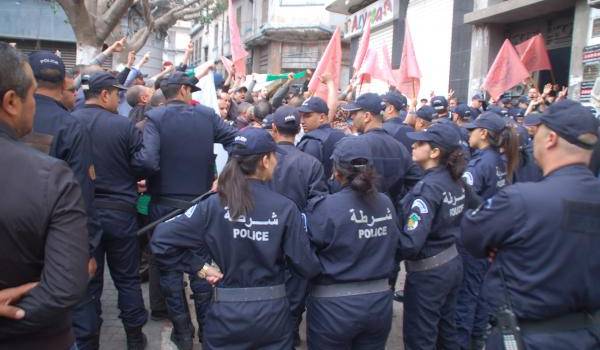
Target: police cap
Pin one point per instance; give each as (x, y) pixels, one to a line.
(427, 113)
(42, 62)
(314, 105)
(570, 120)
(463, 111)
(101, 80)
(351, 149)
(180, 78)
(441, 135)
(439, 103)
(287, 118)
(369, 102)
(487, 120)
(395, 99)
(252, 141)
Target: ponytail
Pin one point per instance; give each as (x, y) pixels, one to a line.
(507, 141)
(233, 189)
(359, 175)
(454, 161)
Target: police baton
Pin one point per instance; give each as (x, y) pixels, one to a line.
(169, 216)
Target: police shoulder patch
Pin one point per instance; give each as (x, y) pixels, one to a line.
(413, 222)
(468, 178)
(420, 205)
(190, 211)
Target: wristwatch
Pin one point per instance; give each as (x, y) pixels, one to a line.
(203, 271)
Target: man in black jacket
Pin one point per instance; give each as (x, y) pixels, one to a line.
(43, 234)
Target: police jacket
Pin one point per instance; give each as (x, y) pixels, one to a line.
(395, 168)
(298, 176)
(178, 148)
(115, 144)
(546, 234)
(252, 250)
(528, 170)
(431, 215)
(486, 172)
(320, 143)
(43, 237)
(62, 136)
(355, 237)
(398, 130)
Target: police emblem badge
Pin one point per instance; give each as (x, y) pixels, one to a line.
(413, 221)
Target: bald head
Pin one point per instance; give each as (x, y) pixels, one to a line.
(138, 95)
(552, 151)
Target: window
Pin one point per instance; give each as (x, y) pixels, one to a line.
(205, 53)
(238, 17)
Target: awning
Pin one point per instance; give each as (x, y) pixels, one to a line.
(348, 7)
(516, 10)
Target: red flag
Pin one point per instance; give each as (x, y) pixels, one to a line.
(330, 63)
(376, 66)
(506, 71)
(408, 76)
(534, 54)
(238, 53)
(363, 46)
(227, 64)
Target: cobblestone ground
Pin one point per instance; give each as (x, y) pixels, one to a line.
(113, 336)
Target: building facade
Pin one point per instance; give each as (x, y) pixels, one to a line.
(440, 38)
(280, 35)
(571, 29)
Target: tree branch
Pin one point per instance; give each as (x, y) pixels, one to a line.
(106, 23)
(138, 39)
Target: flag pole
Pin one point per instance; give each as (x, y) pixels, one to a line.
(552, 77)
(413, 89)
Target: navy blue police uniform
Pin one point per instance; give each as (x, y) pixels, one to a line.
(319, 142)
(486, 174)
(249, 309)
(350, 305)
(395, 125)
(57, 133)
(392, 161)
(178, 153)
(300, 177)
(549, 225)
(116, 143)
(431, 216)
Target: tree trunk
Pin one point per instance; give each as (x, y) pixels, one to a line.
(86, 53)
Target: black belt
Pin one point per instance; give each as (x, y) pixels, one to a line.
(432, 262)
(568, 322)
(172, 202)
(129, 208)
(249, 294)
(350, 288)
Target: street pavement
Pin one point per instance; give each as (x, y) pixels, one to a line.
(112, 336)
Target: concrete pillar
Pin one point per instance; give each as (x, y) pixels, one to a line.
(581, 22)
(274, 65)
(485, 43)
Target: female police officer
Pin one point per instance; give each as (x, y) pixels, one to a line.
(492, 166)
(355, 233)
(251, 233)
(432, 211)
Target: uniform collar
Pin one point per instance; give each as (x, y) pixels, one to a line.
(376, 130)
(40, 97)
(285, 143)
(570, 169)
(176, 102)
(436, 169)
(8, 131)
(324, 126)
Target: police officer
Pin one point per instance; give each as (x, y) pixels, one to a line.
(431, 216)
(67, 140)
(440, 104)
(43, 234)
(115, 145)
(527, 170)
(300, 177)
(487, 172)
(395, 168)
(250, 232)
(549, 225)
(477, 105)
(319, 138)
(394, 115)
(350, 303)
(178, 152)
